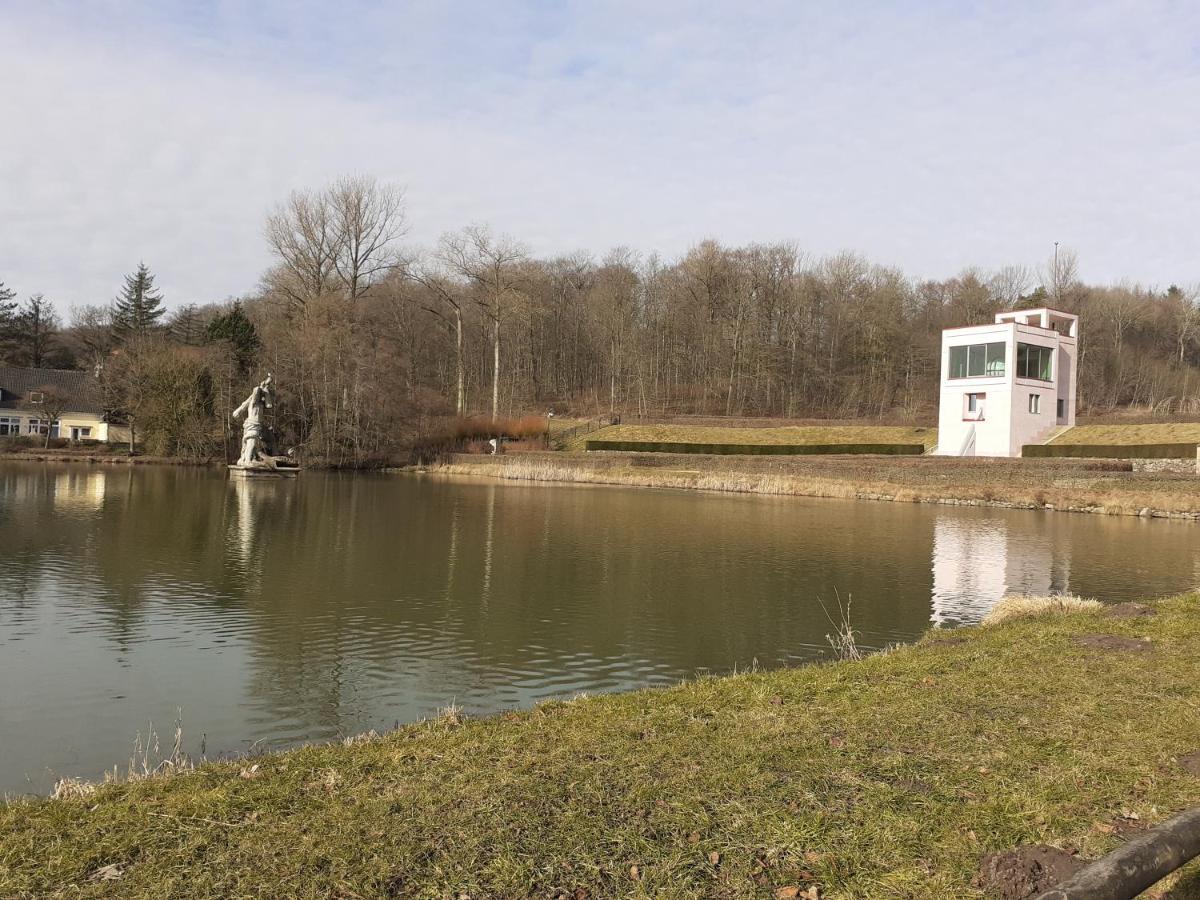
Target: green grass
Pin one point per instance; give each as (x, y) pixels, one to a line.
(1157, 433)
(788, 434)
(887, 777)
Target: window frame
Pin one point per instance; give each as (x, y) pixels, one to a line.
(1035, 404)
(988, 359)
(979, 399)
(1039, 355)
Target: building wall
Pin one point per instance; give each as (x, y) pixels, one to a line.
(1008, 422)
(99, 428)
(992, 435)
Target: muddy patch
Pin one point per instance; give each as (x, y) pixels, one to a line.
(1112, 642)
(1129, 611)
(1026, 871)
(1190, 762)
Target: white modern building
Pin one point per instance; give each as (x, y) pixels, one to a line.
(1007, 384)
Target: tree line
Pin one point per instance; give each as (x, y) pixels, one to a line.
(373, 343)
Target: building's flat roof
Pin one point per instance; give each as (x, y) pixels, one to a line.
(1036, 309)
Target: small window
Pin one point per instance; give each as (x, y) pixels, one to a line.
(37, 397)
(1035, 403)
(974, 407)
(85, 432)
(1062, 408)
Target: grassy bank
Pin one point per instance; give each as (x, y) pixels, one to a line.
(891, 776)
(1136, 433)
(1076, 485)
(786, 434)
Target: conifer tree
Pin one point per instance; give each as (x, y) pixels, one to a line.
(8, 320)
(236, 328)
(139, 306)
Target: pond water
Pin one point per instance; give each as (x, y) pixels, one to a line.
(277, 612)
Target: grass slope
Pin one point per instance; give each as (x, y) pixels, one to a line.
(887, 777)
(789, 434)
(1154, 433)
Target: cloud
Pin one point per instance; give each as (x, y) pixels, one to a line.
(931, 136)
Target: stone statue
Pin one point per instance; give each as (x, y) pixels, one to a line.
(253, 448)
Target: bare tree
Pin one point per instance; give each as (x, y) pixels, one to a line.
(303, 236)
(342, 238)
(491, 264)
(368, 219)
(1060, 274)
(1009, 284)
(49, 403)
(91, 335)
(444, 298)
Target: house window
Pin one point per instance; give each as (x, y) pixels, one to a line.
(1035, 362)
(1062, 408)
(37, 397)
(9, 425)
(41, 426)
(1035, 403)
(975, 360)
(974, 407)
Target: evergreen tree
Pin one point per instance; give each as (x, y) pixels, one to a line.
(37, 327)
(236, 328)
(8, 320)
(139, 306)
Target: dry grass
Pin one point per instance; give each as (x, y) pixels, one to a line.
(1024, 607)
(1031, 484)
(789, 434)
(887, 777)
(1154, 433)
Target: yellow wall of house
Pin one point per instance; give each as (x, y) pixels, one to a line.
(99, 428)
(79, 420)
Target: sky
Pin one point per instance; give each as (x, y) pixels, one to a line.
(932, 136)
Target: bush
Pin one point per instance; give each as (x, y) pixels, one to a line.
(1110, 451)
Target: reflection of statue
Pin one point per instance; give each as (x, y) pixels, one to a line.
(252, 429)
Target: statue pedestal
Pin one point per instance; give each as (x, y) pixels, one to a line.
(260, 469)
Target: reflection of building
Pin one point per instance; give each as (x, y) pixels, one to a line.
(54, 402)
(79, 489)
(1007, 384)
(977, 561)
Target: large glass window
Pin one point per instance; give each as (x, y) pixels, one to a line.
(1035, 362)
(9, 426)
(974, 360)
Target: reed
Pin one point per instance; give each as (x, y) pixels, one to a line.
(1023, 484)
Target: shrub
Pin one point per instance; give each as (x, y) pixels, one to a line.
(1111, 451)
(1020, 607)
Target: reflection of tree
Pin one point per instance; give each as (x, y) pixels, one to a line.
(356, 599)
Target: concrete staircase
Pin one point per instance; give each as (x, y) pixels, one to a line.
(1051, 433)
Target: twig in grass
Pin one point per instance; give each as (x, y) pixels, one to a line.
(843, 640)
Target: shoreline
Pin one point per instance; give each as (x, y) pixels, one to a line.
(891, 775)
(97, 459)
(1158, 495)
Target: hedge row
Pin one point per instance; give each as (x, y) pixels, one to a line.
(1111, 451)
(757, 449)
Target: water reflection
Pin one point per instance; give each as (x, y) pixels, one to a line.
(977, 561)
(292, 610)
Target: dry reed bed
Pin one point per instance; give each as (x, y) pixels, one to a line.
(1012, 484)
